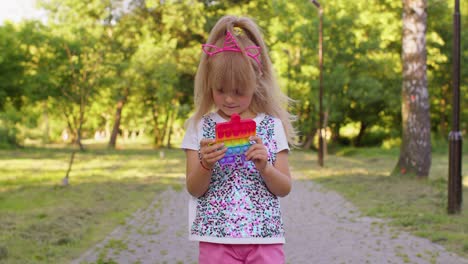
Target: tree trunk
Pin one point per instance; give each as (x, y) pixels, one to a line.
(171, 124)
(335, 137)
(117, 119)
(116, 126)
(156, 130)
(80, 125)
(71, 128)
(46, 132)
(166, 123)
(415, 151)
(65, 180)
(362, 131)
(325, 125)
(308, 139)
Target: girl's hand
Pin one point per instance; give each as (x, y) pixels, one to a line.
(211, 152)
(258, 154)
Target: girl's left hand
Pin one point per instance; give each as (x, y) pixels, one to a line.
(257, 153)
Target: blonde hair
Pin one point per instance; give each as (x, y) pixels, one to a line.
(236, 70)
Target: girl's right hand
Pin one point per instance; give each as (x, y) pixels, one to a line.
(211, 152)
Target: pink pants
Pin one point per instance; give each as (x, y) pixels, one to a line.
(212, 253)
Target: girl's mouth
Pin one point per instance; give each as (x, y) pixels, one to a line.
(230, 107)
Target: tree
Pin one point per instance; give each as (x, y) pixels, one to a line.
(12, 69)
(122, 39)
(80, 26)
(415, 151)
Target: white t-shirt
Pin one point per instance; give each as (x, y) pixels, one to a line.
(237, 208)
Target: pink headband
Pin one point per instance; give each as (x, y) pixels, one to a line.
(230, 44)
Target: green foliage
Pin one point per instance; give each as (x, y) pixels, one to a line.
(12, 69)
(92, 56)
(9, 131)
(8, 136)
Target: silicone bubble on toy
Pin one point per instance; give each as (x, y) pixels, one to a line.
(235, 135)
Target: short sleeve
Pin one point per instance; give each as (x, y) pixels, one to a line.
(280, 135)
(192, 136)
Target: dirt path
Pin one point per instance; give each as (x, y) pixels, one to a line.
(321, 227)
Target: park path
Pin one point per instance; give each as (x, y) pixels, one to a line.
(321, 227)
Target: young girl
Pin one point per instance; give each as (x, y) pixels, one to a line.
(234, 212)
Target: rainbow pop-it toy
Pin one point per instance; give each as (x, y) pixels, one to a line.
(235, 136)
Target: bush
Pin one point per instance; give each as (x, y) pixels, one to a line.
(8, 137)
(374, 138)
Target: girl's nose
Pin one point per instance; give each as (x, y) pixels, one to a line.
(228, 99)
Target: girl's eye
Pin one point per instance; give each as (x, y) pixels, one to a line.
(220, 91)
(239, 92)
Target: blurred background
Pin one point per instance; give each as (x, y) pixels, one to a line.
(115, 71)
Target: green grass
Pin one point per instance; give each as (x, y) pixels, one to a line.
(414, 205)
(44, 222)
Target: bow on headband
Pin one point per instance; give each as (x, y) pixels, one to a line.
(230, 44)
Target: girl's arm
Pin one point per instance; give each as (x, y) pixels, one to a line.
(277, 177)
(198, 171)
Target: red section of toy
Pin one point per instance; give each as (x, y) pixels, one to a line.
(235, 135)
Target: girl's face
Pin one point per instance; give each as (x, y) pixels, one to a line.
(234, 101)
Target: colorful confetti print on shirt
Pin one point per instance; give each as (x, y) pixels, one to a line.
(238, 204)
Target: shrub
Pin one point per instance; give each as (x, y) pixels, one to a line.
(8, 137)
